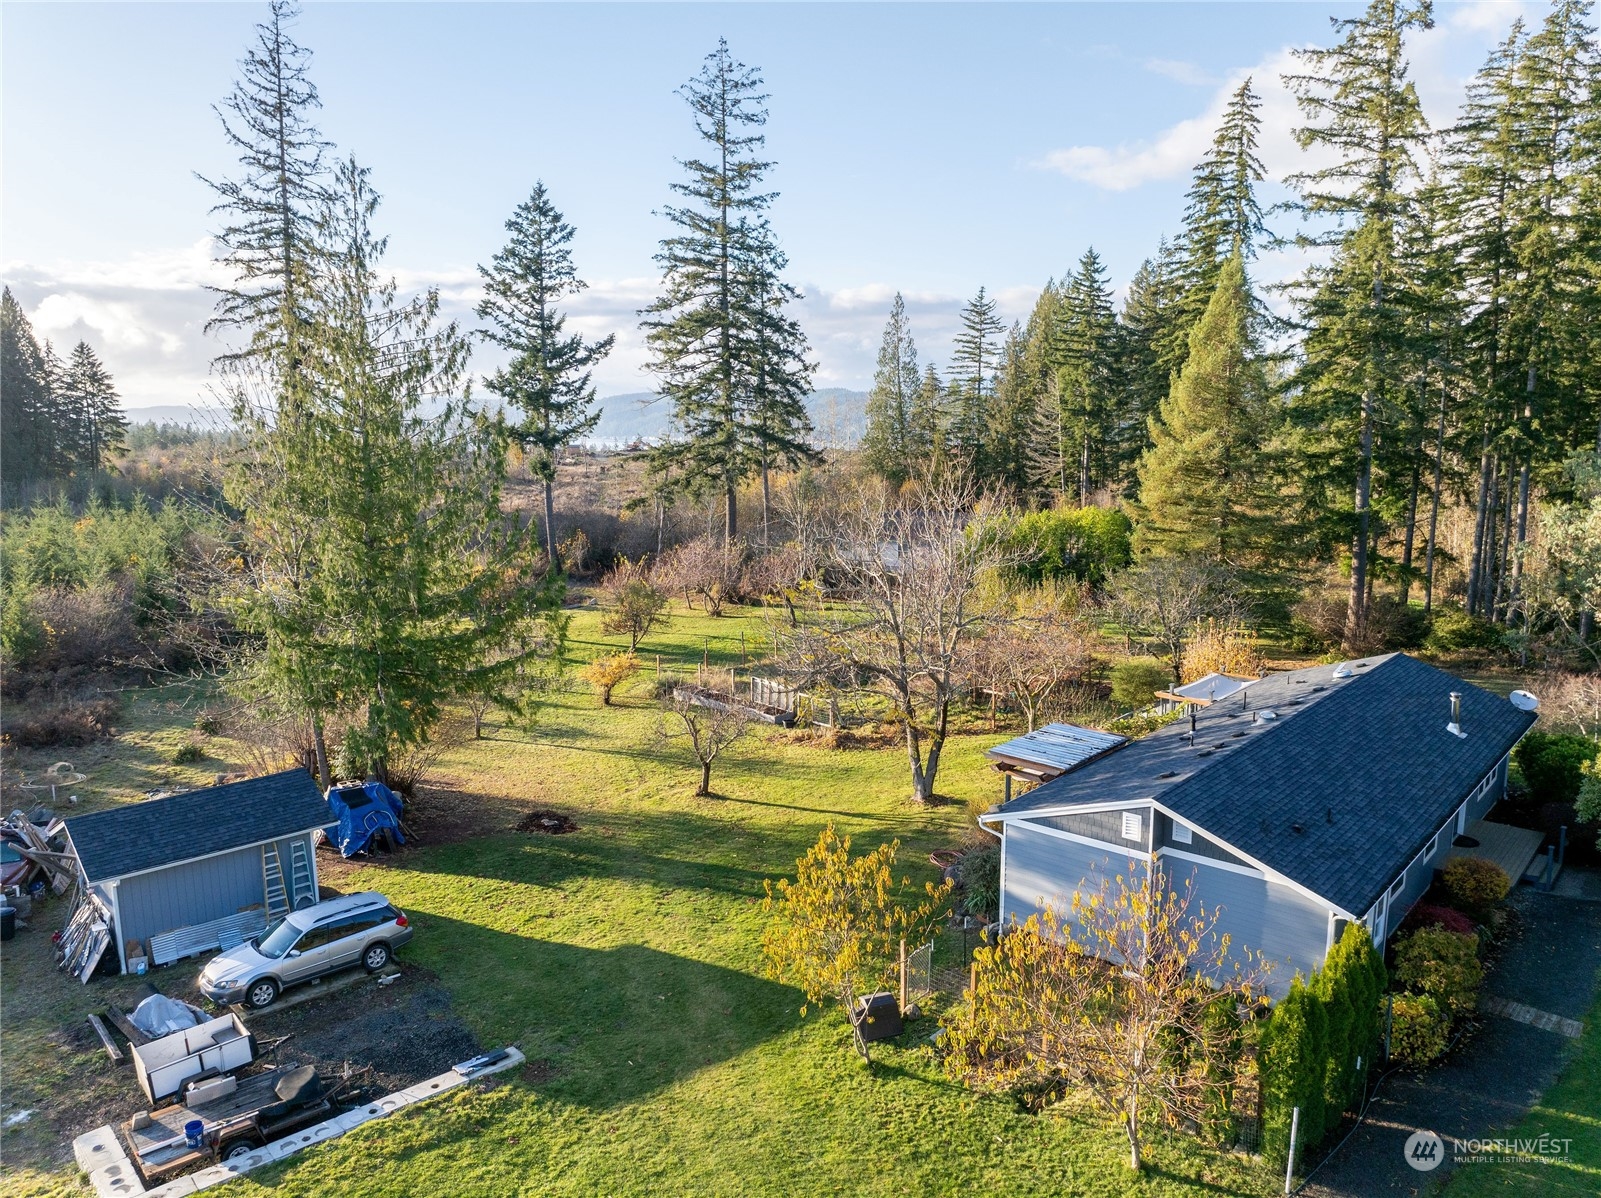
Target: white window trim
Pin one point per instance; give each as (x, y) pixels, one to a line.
(1183, 833)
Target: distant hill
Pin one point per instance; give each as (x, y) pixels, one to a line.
(838, 414)
(176, 413)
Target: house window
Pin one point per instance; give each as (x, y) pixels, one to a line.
(1182, 834)
(1400, 885)
(1131, 825)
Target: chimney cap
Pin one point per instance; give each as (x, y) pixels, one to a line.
(1455, 726)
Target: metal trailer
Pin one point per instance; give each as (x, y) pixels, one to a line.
(218, 1045)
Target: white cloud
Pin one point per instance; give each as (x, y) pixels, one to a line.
(1180, 71)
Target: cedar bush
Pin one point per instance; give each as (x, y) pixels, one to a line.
(1474, 885)
(979, 872)
(1420, 1029)
(1553, 764)
(1443, 965)
(1294, 1064)
(1455, 631)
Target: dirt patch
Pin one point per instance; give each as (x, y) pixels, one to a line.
(540, 1071)
(551, 823)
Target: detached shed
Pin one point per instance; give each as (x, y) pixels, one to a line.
(197, 871)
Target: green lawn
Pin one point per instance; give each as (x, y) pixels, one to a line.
(624, 959)
(1570, 1110)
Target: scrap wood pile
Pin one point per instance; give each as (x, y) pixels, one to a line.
(42, 847)
(81, 944)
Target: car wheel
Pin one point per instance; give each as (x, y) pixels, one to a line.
(375, 958)
(262, 993)
(240, 1148)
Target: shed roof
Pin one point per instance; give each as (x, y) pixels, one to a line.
(142, 836)
(1363, 765)
(1058, 747)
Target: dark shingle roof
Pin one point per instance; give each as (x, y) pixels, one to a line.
(1371, 750)
(141, 836)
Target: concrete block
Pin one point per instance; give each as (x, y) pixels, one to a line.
(98, 1148)
(178, 1187)
(116, 1181)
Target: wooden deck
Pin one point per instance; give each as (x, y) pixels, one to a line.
(1513, 849)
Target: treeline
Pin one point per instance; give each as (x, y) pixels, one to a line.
(56, 418)
(1444, 348)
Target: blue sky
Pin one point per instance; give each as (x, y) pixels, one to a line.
(930, 149)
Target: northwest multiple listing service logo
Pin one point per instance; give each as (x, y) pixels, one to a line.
(1424, 1150)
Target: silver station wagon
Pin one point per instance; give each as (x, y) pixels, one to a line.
(353, 929)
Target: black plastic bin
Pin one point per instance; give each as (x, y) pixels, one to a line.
(878, 1017)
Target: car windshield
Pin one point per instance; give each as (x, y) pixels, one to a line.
(278, 939)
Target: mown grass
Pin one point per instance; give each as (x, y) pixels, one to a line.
(1570, 1110)
(625, 960)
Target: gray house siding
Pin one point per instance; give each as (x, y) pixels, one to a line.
(1039, 869)
(1288, 929)
(193, 892)
(1104, 826)
(1199, 845)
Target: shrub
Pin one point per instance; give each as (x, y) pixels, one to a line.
(60, 722)
(605, 674)
(208, 723)
(1455, 631)
(1588, 808)
(1088, 543)
(1553, 764)
(1392, 624)
(1135, 681)
(188, 753)
(1443, 965)
(1419, 1029)
(979, 872)
(1294, 1064)
(1474, 885)
(1428, 916)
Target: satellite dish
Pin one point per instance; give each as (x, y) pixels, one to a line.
(1343, 670)
(1525, 700)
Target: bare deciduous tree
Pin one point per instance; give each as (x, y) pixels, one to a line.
(1162, 599)
(709, 567)
(709, 731)
(636, 605)
(912, 575)
(1032, 657)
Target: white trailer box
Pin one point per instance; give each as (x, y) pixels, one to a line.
(164, 1065)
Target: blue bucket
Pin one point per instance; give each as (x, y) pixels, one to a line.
(192, 1132)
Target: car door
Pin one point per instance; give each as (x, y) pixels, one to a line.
(353, 934)
(311, 956)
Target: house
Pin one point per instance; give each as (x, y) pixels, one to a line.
(1294, 806)
(187, 873)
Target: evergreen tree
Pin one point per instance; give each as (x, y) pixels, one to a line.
(1152, 320)
(92, 397)
(1011, 415)
(930, 425)
(27, 403)
(547, 379)
(1360, 108)
(717, 330)
(387, 580)
(1201, 482)
(1223, 217)
(270, 209)
(1084, 352)
(887, 442)
(973, 359)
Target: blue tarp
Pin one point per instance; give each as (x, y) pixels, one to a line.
(363, 811)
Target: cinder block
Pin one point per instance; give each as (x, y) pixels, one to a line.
(97, 1149)
(116, 1181)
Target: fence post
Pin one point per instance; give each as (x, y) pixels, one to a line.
(972, 979)
(903, 975)
(1289, 1169)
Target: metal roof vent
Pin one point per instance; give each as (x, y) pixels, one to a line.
(1261, 717)
(1525, 700)
(1343, 670)
(1455, 726)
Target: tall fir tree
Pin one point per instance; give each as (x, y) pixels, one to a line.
(718, 324)
(1011, 416)
(27, 402)
(930, 425)
(1223, 217)
(270, 209)
(1084, 355)
(92, 397)
(889, 439)
(1150, 318)
(547, 380)
(1202, 483)
(1363, 112)
(974, 354)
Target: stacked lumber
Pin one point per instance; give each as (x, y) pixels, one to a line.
(85, 938)
(60, 868)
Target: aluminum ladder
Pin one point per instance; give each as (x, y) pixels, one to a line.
(302, 891)
(272, 877)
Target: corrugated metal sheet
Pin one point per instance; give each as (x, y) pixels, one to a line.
(203, 937)
(1058, 747)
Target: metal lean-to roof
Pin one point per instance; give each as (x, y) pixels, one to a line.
(1056, 747)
